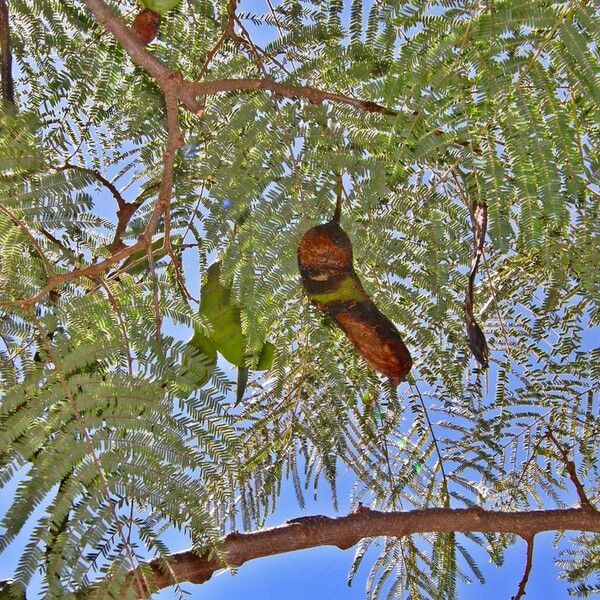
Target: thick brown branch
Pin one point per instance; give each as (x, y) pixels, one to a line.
(528, 564)
(344, 532)
(8, 86)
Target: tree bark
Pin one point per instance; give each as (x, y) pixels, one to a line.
(344, 532)
(6, 77)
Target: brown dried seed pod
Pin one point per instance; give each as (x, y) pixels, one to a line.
(325, 247)
(477, 342)
(332, 285)
(145, 26)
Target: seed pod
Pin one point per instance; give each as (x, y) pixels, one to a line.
(477, 342)
(145, 25)
(332, 285)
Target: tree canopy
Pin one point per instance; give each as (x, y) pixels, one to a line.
(164, 362)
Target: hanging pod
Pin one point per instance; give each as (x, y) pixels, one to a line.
(477, 342)
(326, 266)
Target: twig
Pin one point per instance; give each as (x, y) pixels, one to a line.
(8, 86)
(529, 461)
(100, 178)
(572, 471)
(125, 210)
(228, 33)
(246, 40)
(279, 29)
(119, 313)
(435, 442)
(528, 564)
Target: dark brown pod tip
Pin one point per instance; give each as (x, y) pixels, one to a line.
(477, 343)
(325, 247)
(376, 339)
(145, 26)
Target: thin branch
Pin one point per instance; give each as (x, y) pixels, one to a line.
(228, 33)
(314, 95)
(529, 461)
(435, 443)
(91, 272)
(572, 471)
(100, 178)
(528, 564)
(6, 77)
(344, 532)
(125, 210)
(66, 251)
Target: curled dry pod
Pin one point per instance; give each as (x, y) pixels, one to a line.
(332, 285)
(145, 25)
(477, 342)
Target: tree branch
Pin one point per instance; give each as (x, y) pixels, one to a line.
(528, 564)
(8, 86)
(100, 178)
(344, 532)
(188, 91)
(572, 471)
(314, 95)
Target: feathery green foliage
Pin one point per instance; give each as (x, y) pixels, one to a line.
(102, 423)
